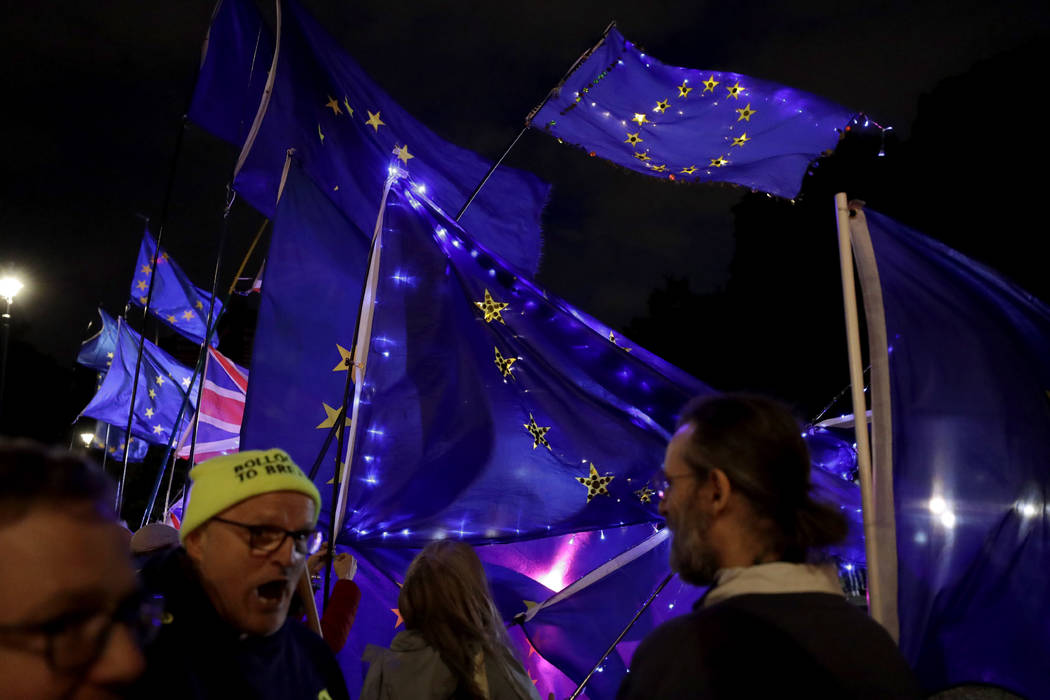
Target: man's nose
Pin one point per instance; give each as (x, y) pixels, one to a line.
(287, 555)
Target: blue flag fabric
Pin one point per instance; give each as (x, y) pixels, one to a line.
(237, 56)
(111, 439)
(97, 351)
(538, 421)
(345, 130)
(161, 388)
(969, 372)
(690, 125)
(175, 300)
(307, 315)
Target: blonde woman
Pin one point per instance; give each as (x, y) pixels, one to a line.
(454, 644)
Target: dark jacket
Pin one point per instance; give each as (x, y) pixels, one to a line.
(199, 656)
(812, 645)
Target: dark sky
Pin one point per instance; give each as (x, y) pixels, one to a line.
(93, 94)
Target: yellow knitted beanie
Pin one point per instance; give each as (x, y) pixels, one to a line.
(222, 482)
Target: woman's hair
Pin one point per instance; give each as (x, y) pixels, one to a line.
(758, 444)
(446, 599)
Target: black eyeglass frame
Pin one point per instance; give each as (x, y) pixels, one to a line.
(300, 538)
(141, 612)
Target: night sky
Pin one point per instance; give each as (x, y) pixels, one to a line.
(746, 288)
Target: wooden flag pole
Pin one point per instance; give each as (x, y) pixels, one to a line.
(860, 426)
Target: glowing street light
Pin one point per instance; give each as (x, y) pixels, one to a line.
(9, 287)
(86, 438)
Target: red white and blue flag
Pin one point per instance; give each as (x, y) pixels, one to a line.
(221, 409)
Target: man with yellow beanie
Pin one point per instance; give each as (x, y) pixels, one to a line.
(246, 534)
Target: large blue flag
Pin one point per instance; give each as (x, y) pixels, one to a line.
(97, 351)
(345, 130)
(111, 439)
(162, 385)
(307, 315)
(690, 125)
(537, 418)
(175, 300)
(969, 374)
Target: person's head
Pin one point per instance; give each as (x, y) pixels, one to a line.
(71, 620)
(248, 528)
(445, 598)
(152, 539)
(738, 488)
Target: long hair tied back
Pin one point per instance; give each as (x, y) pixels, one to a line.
(757, 443)
(446, 598)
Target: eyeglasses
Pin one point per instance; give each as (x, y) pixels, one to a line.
(664, 484)
(73, 641)
(266, 539)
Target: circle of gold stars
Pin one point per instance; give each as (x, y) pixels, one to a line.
(645, 494)
(504, 363)
(537, 432)
(491, 308)
(596, 484)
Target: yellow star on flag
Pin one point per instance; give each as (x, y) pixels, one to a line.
(735, 91)
(143, 300)
(740, 140)
(683, 91)
(145, 269)
(504, 363)
(644, 156)
(163, 258)
(199, 305)
(149, 412)
(645, 494)
(640, 118)
(346, 103)
(160, 381)
(537, 432)
(745, 113)
(346, 358)
(710, 83)
(491, 308)
(172, 319)
(186, 382)
(597, 485)
(633, 139)
(109, 355)
(719, 162)
(333, 104)
(659, 168)
(662, 105)
(141, 284)
(402, 153)
(152, 392)
(690, 170)
(320, 133)
(374, 121)
(329, 421)
(188, 315)
(157, 429)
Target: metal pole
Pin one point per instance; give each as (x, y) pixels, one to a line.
(6, 318)
(489, 173)
(612, 647)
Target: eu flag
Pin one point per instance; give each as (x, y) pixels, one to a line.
(97, 351)
(112, 439)
(175, 300)
(346, 130)
(162, 385)
(969, 374)
(690, 125)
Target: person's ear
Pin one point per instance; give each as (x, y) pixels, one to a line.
(720, 489)
(195, 543)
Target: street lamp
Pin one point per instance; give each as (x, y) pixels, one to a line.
(9, 287)
(86, 438)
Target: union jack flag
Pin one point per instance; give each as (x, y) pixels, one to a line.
(221, 409)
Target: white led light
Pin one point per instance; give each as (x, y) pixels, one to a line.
(937, 505)
(948, 519)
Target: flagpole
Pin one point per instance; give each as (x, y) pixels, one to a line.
(860, 426)
(528, 119)
(612, 647)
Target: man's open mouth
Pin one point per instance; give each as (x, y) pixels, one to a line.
(272, 591)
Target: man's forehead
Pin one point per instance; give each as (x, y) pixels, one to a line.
(276, 506)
